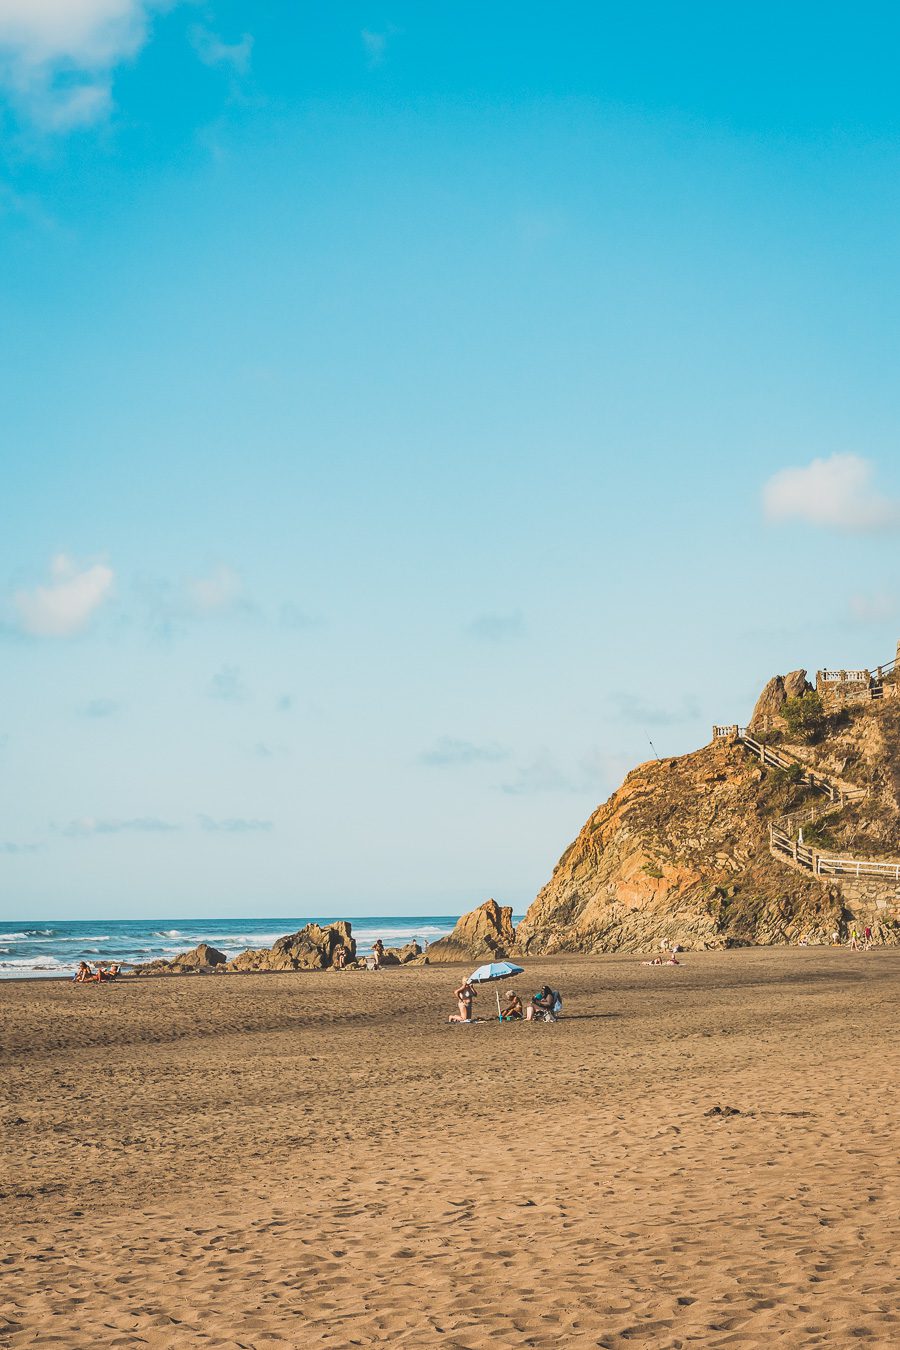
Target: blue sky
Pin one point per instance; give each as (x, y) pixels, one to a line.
(407, 412)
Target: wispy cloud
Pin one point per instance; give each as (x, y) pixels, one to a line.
(99, 707)
(9, 846)
(448, 752)
(85, 826)
(227, 685)
(594, 772)
(875, 608)
(633, 708)
(234, 825)
(835, 493)
(294, 616)
(374, 46)
(57, 57)
(497, 627)
(215, 51)
(65, 604)
(221, 590)
(173, 608)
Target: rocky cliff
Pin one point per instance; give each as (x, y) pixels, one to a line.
(681, 851)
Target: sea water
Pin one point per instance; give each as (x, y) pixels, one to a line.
(34, 948)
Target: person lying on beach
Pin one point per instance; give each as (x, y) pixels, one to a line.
(658, 961)
(106, 973)
(544, 1002)
(464, 995)
(512, 1010)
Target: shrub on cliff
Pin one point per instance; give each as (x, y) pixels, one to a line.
(805, 716)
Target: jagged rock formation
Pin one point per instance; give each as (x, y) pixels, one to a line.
(401, 956)
(774, 696)
(312, 948)
(484, 933)
(202, 957)
(681, 851)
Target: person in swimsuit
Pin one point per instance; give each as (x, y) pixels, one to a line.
(465, 995)
(377, 952)
(83, 973)
(544, 1002)
(339, 960)
(512, 1010)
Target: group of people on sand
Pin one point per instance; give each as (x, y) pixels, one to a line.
(104, 974)
(544, 1005)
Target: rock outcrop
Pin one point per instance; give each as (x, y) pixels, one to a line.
(200, 958)
(774, 696)
(485, 933)
(681, 851)
(312, 948)
(401, 956)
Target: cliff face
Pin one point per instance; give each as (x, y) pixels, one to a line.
(680, 852)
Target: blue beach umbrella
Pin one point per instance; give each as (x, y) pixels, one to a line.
(495, 970)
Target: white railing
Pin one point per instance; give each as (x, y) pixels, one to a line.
(857, 867)
(845, 676)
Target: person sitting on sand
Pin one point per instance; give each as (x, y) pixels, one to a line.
(465, 995)
(83, 973)
(541, 1003)
(512, 1010)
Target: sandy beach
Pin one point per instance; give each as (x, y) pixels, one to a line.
(305, 1160)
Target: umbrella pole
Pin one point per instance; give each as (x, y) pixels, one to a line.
(497, 992)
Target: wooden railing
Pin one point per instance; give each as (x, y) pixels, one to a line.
(820, 864)
(784, 833)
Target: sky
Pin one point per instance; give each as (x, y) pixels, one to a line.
(412, 414)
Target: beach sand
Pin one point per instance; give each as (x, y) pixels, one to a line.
(320, 1160)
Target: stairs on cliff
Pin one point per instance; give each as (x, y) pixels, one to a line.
(785, 833)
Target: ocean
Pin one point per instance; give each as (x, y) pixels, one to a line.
(35, 949)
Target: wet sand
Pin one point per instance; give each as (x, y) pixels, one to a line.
(320, 1160)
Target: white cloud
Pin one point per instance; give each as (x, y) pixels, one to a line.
(836, 493)
(375, 46)
(877, 608)
(86, 826)
(213, 51)
(57, 56)
(234, 825)
(220, 590)
(65, 605)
